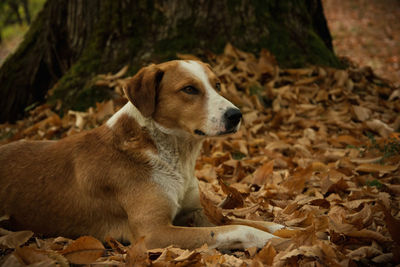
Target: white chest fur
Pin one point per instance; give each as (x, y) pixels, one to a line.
(173, 168)
(173, 164)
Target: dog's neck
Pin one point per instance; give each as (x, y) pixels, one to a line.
(180, 150)
(176, 148)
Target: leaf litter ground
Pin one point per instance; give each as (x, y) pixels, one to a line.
(318, 151)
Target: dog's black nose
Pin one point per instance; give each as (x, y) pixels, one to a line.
(232, 118)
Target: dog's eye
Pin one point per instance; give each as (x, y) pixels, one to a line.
(218, 86)
(190, 90)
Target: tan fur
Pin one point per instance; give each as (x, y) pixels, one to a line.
(128, 178)
(174, 109)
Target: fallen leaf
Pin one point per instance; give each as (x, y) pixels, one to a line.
(266, 254)
(115, 245)
(84, 250)
(233, 199)
(213, 212)
(15, 239)
(380, 127)
(371, 167)
(30, 256)
(104, 110)
(362, 113)
(364, 253)
(393, 225)
(137, 254)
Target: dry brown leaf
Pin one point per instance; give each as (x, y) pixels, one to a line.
(4, 217)
(104, 110)
(115, 245)
(213, 213)
(31, 256)
(295, 183)
(368, 234)
(233, 199)
(393, 225)
(340, 227)
(287, 232)
(366, 160)
(84, 250)
(364, 252)
(266, 254)
(327, 185)
(348, 140)
(186, 255)
(383, 258)
(371, 167)
(267, 63)
(15, 239)
(307, 251)
(137, 254)
(363, 218)
(361, 113)
(12, 261)
(380, 127)
(242, 212)
(263, 173)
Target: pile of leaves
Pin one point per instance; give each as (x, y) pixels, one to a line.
(318, 151)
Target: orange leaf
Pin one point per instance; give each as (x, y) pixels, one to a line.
(213, 212)
(295, 184)
(233, 199)
(137, 254)
(267, 254)
(371, 167)
(84, 250)
(263, 173)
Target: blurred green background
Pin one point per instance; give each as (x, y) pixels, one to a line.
(15, 18)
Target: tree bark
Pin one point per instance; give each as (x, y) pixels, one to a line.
(73, 40)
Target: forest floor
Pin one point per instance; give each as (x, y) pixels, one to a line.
(368, 32)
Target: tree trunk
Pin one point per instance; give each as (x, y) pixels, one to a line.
(73, 40)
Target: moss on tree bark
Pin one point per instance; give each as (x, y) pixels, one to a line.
(72, 41)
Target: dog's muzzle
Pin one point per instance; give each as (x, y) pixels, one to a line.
(232, 119)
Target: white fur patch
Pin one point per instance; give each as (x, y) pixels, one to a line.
(216, 104)
(130, 110)
(243, 237)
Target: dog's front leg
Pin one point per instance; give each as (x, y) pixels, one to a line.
(150, 214)
(221, 237)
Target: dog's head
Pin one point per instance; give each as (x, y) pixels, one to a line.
(182, 95)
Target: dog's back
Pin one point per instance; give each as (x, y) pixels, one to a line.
(24, 182)
(46, 178)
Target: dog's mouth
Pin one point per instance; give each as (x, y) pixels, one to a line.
(199, 132)
(230, 131)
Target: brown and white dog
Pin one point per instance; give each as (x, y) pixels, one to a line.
(134, 175)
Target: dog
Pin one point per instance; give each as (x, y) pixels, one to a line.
(134, 175)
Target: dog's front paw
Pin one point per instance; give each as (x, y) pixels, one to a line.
(243, 237)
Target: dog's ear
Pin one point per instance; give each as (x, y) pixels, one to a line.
(142, 89)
